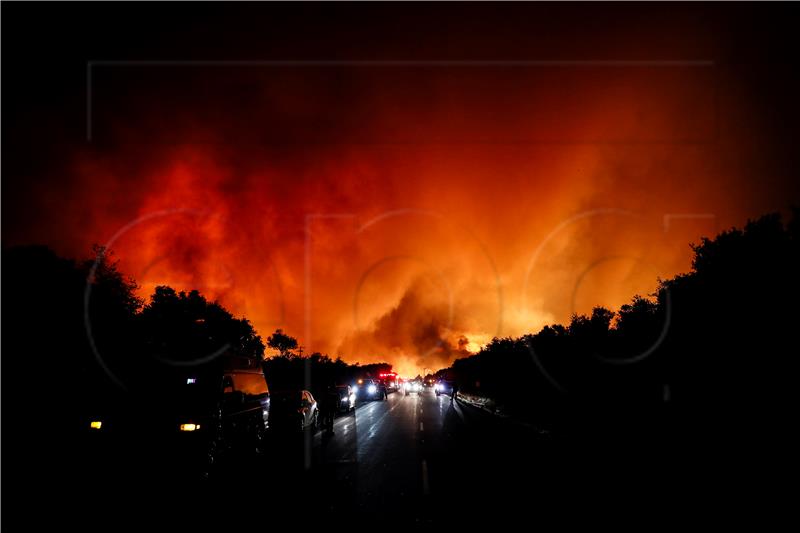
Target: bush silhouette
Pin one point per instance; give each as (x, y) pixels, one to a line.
(711, 352)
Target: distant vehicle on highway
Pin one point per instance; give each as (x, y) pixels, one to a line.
(197, 416)
(371, 389)
(412, 386)
(390, 381)
(347, 398)
(443, 387)
(293, 410)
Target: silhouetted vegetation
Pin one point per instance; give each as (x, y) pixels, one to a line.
(184, 327)
(290, 369)
(49, 366)
(282, 342)
(78, 330)
(712, 353)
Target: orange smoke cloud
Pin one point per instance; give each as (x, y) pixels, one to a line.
(409, 215)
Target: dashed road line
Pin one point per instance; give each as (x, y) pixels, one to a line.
(426, 490)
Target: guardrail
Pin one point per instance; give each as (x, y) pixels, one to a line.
(491, 407)
(481, 402)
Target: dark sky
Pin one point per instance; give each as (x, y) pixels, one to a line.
(653, 109)
(47, 48)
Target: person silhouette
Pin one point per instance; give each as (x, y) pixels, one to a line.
(330, 404)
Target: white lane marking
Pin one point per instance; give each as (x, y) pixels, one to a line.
(425, 487)
(421, 428)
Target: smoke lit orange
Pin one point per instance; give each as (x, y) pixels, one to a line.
(407, 213)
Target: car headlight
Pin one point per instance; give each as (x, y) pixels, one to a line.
(96, 424)
(344, 400)
(355, 389)
(371, 389)
(190, 427)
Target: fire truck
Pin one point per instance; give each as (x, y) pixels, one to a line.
(390, 381)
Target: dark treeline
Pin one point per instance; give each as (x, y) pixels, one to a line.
(713, 353)
(75, 332)
(79, 324)
(290, 369)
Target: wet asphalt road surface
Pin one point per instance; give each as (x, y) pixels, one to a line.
(416, 459)
(411, 459)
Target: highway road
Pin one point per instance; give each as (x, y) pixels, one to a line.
(411, 460)
(417, 458)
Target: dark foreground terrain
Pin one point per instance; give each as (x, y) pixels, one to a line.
(411, 460)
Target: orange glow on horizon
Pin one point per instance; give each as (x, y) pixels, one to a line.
(521, 198)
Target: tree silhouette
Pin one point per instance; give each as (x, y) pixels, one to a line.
(61, 320)
(709, 352)
(185, 327)
(290, 371)
(282, 342)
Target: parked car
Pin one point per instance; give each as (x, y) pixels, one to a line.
(196, 415)
(347, 398)
(371, 389)
(292, 410)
